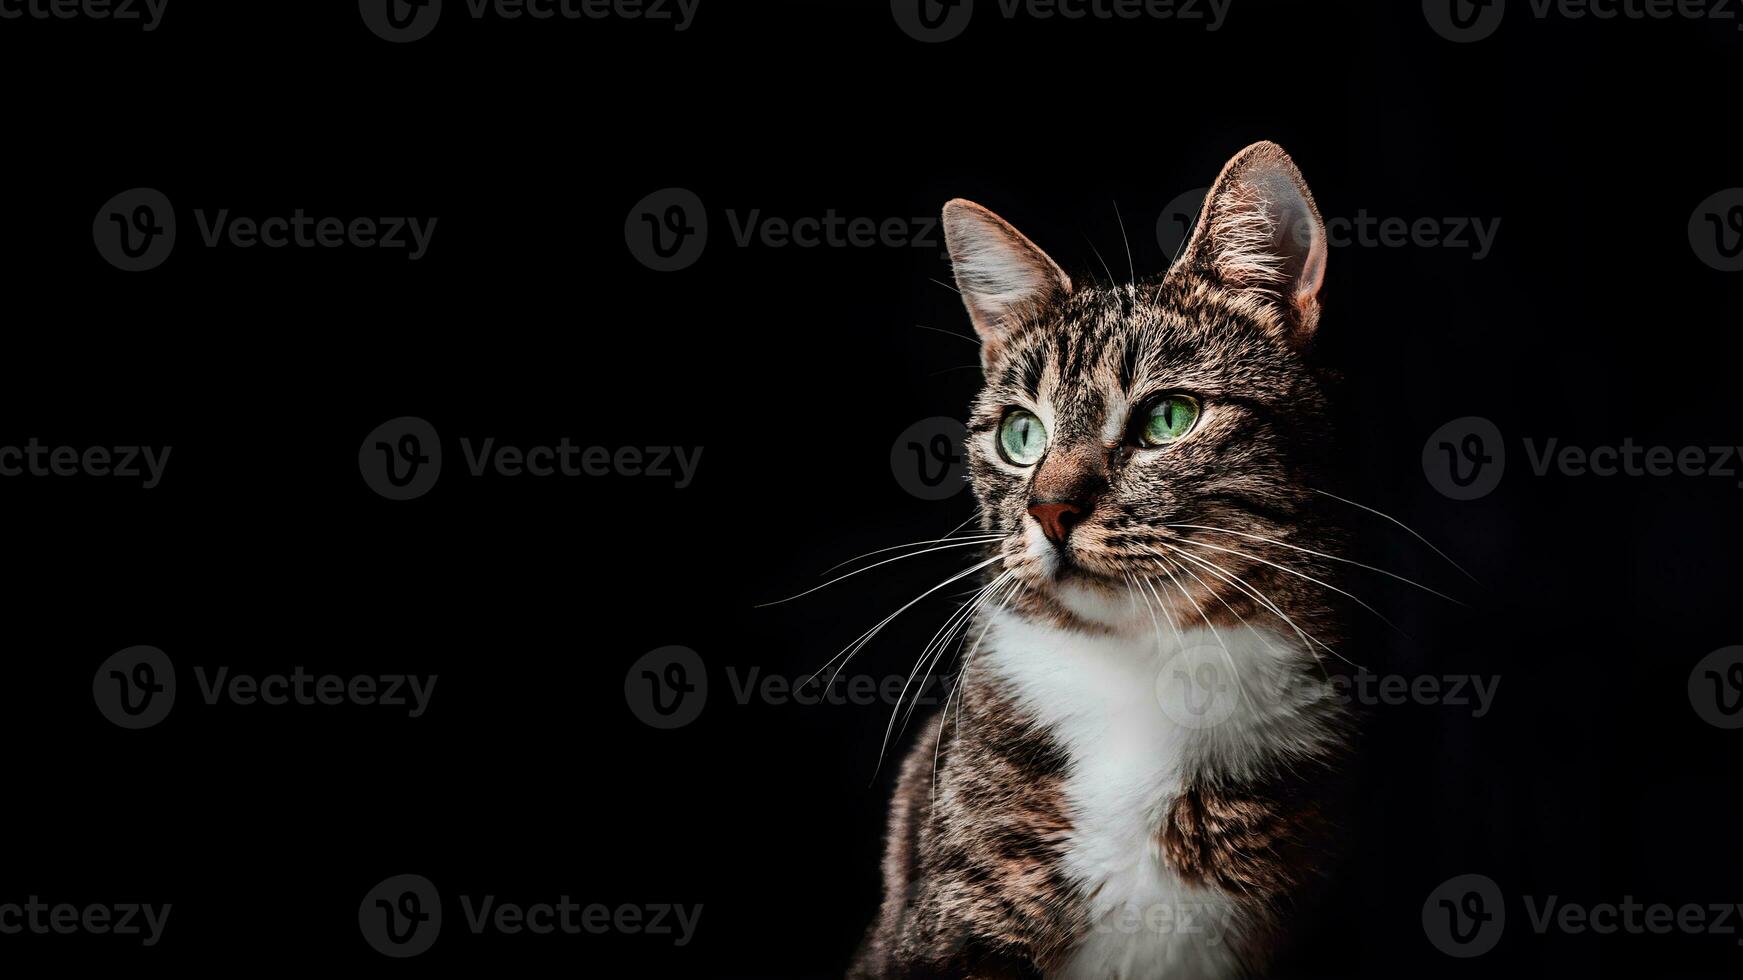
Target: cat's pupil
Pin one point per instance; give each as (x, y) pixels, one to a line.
(1169, 419)
(1021, 438)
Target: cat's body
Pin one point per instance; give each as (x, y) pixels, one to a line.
(1125, 785)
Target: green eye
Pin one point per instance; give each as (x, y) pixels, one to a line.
(1022, 440)
(1169, 418)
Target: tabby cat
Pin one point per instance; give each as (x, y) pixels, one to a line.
(1127, 781)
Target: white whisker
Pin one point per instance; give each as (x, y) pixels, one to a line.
(941, 641)
(1298, 574)
(958, 544)
(1407, 529)
(1227, 656)
(1321, 554)
(858, 644)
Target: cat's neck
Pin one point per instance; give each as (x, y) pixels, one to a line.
(1204, 702)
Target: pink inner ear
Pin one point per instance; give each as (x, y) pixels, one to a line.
(1312, 273)
(1000, 273)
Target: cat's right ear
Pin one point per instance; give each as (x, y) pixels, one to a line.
(1001, 274)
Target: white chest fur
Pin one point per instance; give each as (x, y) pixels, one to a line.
(1139, 714)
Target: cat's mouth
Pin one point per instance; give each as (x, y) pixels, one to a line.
(1067, 563)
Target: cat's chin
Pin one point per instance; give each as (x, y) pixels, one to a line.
(1097, 599)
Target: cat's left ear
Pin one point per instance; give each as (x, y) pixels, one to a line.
(1260, 233)
(1002, 275)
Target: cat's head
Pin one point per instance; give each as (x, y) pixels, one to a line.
(1127, 432)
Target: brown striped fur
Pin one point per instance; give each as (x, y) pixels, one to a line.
(973, 880)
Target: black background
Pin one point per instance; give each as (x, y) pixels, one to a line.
(1591, 778)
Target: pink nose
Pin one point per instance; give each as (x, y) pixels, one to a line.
(1056, 518)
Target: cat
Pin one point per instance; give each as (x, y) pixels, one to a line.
(1129, 783)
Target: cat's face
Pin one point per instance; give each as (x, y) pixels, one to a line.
(1154, 438)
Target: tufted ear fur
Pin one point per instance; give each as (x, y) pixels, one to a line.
(1260, 232)
(1001, 274)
